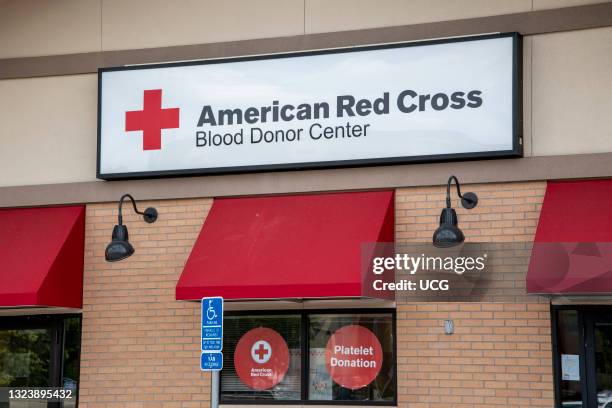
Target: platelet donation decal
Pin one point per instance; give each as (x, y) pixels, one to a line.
(261, 358)
(353, 356)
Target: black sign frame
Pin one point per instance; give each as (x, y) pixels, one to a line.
(517, 116)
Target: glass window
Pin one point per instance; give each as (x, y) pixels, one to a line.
(25, 356)
(351, 357)
(346, 357)
(262, 358)
(30, 356)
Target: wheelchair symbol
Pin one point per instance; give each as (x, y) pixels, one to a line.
(210, 312)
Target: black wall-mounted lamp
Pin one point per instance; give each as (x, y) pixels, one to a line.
(448, 233)
(120, 247)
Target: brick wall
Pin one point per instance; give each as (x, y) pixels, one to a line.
(507, 212)
(500, 353)
(140, 347)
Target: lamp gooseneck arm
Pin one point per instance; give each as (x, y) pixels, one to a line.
(448, 187)
(123, 197)
(468, 200)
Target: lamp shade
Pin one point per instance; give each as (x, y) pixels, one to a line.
(448, 233)
(119, 247)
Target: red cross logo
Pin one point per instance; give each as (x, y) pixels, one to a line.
(261, 351)
(152, 119)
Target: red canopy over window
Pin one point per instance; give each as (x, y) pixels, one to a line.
(572, 253)
(41, 257)
(300, 246)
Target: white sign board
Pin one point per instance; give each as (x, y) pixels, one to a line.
(399, 103)
(570, 367)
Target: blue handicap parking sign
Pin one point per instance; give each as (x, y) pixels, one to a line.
(211, 361)
(212, 324)
(212, 311)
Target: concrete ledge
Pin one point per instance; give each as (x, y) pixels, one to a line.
(360, 178)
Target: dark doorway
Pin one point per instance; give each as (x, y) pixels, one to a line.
(582, 350)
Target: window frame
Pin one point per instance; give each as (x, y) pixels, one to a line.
(56, 324)
(305, 360)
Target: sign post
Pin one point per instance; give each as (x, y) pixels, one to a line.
(211, 358)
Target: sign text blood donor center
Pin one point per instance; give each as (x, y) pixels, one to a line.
(353, 356)
(261, 358)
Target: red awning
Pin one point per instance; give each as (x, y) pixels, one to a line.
(41, 257)
(301, 246)
(572, 252)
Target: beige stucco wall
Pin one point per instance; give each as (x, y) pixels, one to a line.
(125, 26)
(571, 83)
(337, 15)
(48, 125)
(40, 27)
(48, 130)
(44, 27)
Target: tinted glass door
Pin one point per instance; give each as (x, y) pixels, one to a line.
(583, 351)
(599, 359)
(569, 348)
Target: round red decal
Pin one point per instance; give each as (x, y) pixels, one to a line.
(261, 358)
(353, 356)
